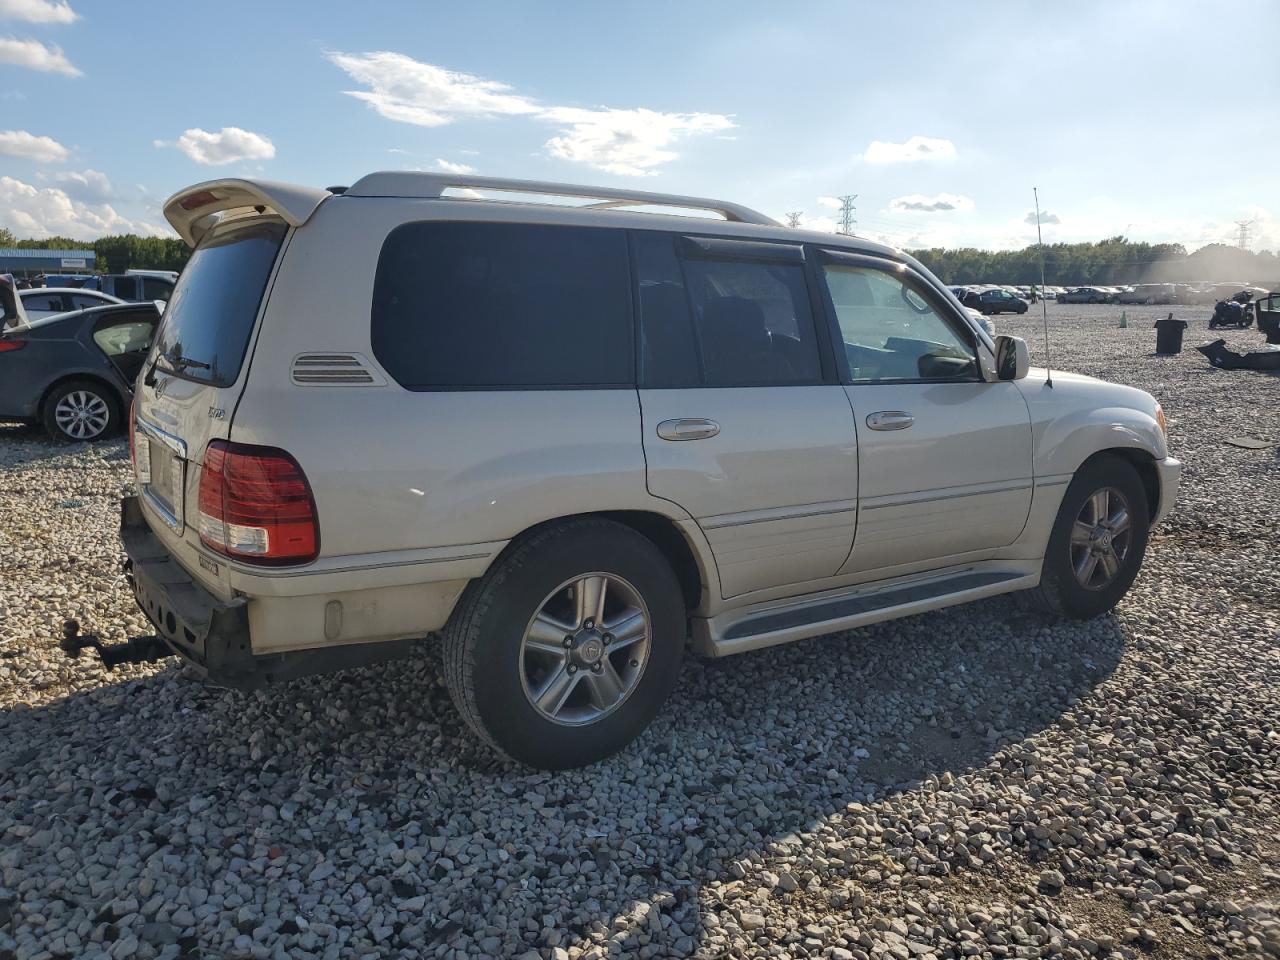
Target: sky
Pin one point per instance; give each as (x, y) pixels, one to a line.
(1155, 119)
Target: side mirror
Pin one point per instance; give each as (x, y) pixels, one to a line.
(1013, 360)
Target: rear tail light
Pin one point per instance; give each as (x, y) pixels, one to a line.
(256, 505)
(7, 344)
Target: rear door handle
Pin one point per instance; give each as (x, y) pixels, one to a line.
(694, 428)
(890, 420)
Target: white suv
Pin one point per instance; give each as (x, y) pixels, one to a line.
(571, 437)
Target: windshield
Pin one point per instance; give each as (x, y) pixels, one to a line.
(210, 316)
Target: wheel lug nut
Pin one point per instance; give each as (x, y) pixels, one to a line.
(597, 667)
(608, 638)
(572, 668)
(589, 623)
(568, 641)
(635, 663)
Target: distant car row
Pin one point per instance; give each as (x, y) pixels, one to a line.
(991, 298)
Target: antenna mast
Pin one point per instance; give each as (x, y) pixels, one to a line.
(1044, 304)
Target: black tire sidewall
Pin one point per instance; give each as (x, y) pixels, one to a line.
(504, 710)
(1058, 580)
(50, 420)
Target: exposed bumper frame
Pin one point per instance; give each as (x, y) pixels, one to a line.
(212, 634)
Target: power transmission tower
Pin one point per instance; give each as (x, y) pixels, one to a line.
(847, 211)
(793, 218)
(1243, 241)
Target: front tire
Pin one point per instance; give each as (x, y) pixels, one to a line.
(568, 647)
(79, 411)
(1098, 540)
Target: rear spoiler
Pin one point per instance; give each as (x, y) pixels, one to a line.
(195, 210)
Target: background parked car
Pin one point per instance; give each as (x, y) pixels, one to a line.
(132, 287)
(1083, 295)
(41, 302)
(1000, 301)
(73, 372)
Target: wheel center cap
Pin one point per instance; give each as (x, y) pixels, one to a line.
(590, 650)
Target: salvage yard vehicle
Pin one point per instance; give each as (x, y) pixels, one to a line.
(73, 372)
(1084, 295)
(999, 301)
(567, 437)
(40, 302)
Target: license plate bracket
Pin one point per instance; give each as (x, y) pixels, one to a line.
(161, 473)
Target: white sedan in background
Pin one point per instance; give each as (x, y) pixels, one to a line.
(40, 302)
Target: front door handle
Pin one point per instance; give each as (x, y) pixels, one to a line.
(890, 420)
(695, 428)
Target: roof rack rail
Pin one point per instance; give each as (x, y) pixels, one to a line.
(394, 183)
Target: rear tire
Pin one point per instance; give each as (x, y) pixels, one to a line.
(1076, 581)
(541, 678)
(80, 411)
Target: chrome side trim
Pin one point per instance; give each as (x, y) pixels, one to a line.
(778, 513)
(900, 500)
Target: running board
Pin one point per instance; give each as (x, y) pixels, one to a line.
(752, 628)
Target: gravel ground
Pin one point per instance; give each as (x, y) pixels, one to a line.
(975, 782)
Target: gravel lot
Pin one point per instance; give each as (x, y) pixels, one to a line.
(975, 782)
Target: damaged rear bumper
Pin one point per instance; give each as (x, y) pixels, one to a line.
(209, 633)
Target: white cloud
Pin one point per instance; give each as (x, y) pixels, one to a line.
(622, 141)
(942, 203)
(411, 91)
(39, 212)
(1045, 217)
(832, 203)
(36, 56)
(91, 186)
(446, 166)
(37, 11)
(228, 145)
(19, 143)
(916, 148)
(628, 142)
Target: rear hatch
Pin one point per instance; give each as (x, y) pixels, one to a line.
(193, 376)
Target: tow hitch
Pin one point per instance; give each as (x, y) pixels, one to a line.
(133, 650)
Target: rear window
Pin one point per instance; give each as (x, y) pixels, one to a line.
(208, 321)
(503, 305)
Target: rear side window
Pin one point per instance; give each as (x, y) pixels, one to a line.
(503, 305)
(155, 289)
(722, 322)
(126, 288)
(208, 321)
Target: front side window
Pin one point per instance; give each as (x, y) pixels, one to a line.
(891, 332)
(503, 305)
(722, 322)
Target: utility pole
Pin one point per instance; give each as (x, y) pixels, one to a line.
(847, 211)
(793, 218)
(1243, 241)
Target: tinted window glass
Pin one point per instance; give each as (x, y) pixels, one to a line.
(126, 288)
(211, 314)
(80, 301)
(43, 302)
(891, 332)
(668, 350)
(459, 305)
(753, 323)
(154, 289)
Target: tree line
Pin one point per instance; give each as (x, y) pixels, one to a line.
(1114, 260)
(115, 254)
(1110, 261)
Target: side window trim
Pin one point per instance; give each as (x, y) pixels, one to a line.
(695, 247)
(939, 304)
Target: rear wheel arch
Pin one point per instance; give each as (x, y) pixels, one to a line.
(685, 560)
(109, 388)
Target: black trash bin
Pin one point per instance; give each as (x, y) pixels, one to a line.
(1169, 334)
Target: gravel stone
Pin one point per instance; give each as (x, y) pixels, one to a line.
(898, 791)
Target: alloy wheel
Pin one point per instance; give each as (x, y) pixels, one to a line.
(82, 415)
(585, 649)
(1100, 538)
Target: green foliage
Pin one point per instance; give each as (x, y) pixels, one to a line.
(1111, 261)
(115, 254)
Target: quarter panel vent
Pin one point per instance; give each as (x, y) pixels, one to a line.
(335, 370)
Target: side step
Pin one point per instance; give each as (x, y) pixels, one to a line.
(751, 629)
